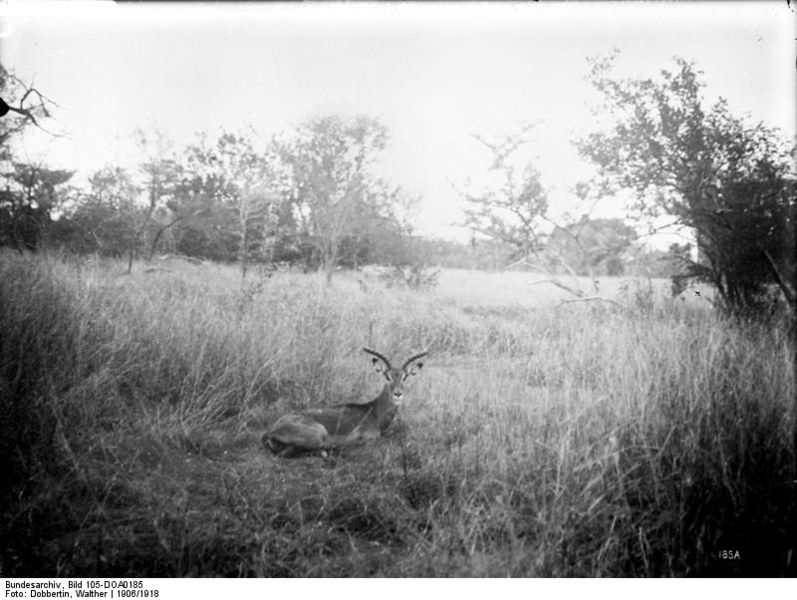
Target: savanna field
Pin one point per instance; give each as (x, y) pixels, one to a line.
(654, 438)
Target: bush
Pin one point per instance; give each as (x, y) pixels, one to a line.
(415, 276)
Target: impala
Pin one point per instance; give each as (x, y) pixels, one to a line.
(323, 429)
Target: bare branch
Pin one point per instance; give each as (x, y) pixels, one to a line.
(507, 146)
(788, 292)
(572, 290)
(594, 298)
(26, 112)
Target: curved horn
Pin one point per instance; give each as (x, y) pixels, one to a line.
(379, 356)
(413, 358)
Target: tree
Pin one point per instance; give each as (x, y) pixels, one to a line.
(162, 174)
(672, 263)
(512, 210)
(105, 219)
(211, 233)
(592, 246)
(732, 182)
(333, 190)
(29, 191)
(21, 105)
(235, 190)
(26, 204)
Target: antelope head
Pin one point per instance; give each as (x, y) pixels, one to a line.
(396, 376)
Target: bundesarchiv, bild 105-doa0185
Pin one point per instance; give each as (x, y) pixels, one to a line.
(85, 588)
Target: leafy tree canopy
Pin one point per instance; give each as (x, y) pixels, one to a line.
(731, 181)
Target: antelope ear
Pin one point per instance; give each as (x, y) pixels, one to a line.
(378, 365)
(413, 368)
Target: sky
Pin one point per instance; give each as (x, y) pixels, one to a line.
(435, 74)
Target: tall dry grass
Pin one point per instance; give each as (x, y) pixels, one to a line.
(578, 441)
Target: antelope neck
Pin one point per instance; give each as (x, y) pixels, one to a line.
(384, 406)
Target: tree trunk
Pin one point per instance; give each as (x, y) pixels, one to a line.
(242, 252)
(155, 241)
(330, 260)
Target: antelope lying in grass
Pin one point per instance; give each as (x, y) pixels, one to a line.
(323, 429)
